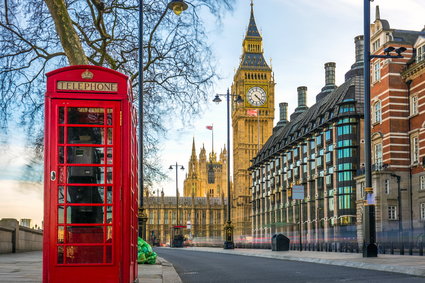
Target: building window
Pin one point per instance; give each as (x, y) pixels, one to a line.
(346, 108)
(376, 71)
(423, 211)
(420, 53)
(319, 140)
(378, 155)
(312, 144)
(414, 146)
(151, 217)
(377, 112)
(346, 153)
(362, 186)
(328, 135)
(392, 212)
(414, 105)
(422, 182)
(387, 186)
(376, 44)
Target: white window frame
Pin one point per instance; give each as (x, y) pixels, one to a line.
(377, 112)
(378, 156)
(414, 105)
(377, 71)
(387, 186)
(414, 149)
(420, 53)
(376, 45)
(392, 212)
(422, 183)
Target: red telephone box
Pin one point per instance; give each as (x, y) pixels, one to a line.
(90, 197)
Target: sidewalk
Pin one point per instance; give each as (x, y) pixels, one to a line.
(27, 267)
(412, 265)
(163, 271)
(21, 267)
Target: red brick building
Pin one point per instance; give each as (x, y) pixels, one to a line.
(398, 133)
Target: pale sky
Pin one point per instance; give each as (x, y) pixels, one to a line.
(299, 36)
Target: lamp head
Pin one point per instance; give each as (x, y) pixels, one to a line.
(389, 49)
(239, 99)
(400, 50)
(178, 6)
(217, 99)
(171, 167)
(182, 168)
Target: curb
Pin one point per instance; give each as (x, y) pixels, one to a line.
(169, 274)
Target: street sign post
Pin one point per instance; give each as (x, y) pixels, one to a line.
(298, 193)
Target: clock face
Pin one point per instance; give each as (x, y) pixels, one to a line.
(256, 96)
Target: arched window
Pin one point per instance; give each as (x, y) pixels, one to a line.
(377, 112)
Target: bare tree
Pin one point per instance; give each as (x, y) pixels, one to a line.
(39, 36)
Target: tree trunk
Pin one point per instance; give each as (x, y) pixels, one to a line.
(69, 39)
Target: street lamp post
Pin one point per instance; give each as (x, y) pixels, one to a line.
(177, 189)
(369, 248)
(228, 228)
(177, 6)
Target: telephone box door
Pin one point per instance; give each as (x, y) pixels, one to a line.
(84, 191)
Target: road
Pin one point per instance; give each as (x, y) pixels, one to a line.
(196, 266)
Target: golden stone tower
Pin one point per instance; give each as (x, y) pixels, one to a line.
(252, 122)
(206, 177)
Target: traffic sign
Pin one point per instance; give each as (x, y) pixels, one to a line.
(298, 192)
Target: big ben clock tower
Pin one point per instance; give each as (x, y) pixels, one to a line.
(252, 122)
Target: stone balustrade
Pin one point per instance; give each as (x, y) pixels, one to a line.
(15, 238)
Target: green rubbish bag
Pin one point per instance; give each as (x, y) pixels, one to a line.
(145, 254)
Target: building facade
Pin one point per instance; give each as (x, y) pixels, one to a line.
(203, 217)
(319, 149)
(206, 177)
(252, 121)
(398, 133)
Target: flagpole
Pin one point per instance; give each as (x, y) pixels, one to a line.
(258, 126)
(212, 138)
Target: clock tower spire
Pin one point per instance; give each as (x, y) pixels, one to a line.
(254, 82)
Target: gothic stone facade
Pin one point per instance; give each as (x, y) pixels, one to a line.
(206, 217)
(206, 176)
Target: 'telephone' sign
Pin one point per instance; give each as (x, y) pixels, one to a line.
(87, 86)
(298, 192)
